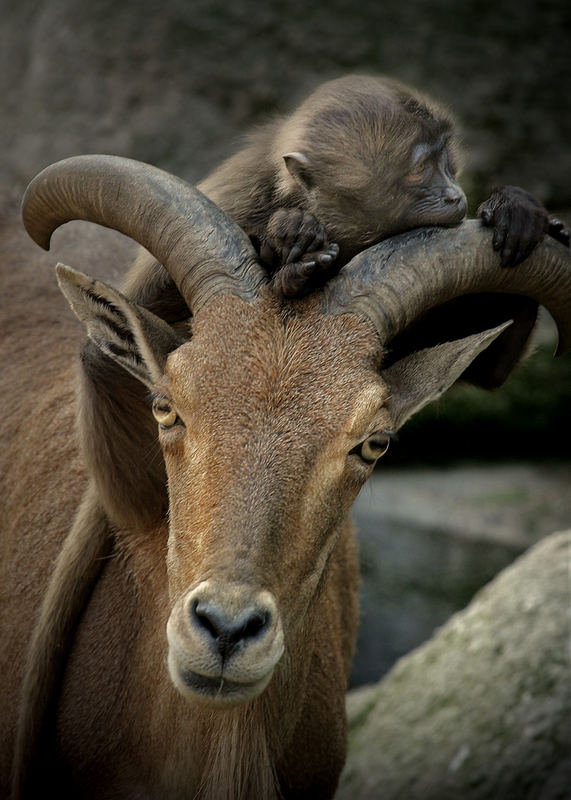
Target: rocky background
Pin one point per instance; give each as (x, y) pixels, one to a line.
(176, 84)
(483, 710)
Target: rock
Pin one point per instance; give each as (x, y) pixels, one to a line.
(429, 539)
(482, 710)
(175, 83)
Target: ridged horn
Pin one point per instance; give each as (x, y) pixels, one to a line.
(395, 282)
(204, 251)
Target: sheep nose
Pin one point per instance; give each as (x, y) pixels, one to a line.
(228, 631)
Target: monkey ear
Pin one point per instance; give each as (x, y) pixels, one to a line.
(299, 167)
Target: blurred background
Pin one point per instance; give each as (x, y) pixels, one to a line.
(177, 83)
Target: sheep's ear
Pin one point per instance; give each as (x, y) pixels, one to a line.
(132, 336)
(423, 376)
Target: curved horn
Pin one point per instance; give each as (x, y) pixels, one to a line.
(204, 251)
(395, 282)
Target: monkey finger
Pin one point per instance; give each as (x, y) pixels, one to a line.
(292, 255)
(499, 237)
(524, 237)
(528, 244)
(523, 252)
(318, 242)
(329, 255)
(297, 243)
(502, 225)
(306, 266)
(300, 247)
(307, 242)
(326, 270)
(324, 257)
(507, 258)
(557, 230)
(292, 248)
(510, 250)
(288, 242)
(486, 215)
(321, 257)
(534, 229)
(314, 237)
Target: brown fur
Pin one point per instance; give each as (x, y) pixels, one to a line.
(261, 478)
(357, 133)
(77, 567)
(100, 713)
(99, 723)
(127, 462)
(39, 382)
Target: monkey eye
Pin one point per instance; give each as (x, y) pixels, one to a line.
(417, 172)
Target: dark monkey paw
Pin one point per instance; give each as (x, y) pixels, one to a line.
(557, 230)
(296, 247)
(519, 221)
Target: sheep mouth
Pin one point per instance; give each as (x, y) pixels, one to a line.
(217, 689)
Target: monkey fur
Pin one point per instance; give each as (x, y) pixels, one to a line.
(344, 169)
(361, 159)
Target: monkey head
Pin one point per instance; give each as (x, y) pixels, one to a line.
(370, 158)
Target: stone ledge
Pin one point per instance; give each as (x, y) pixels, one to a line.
(483, 709)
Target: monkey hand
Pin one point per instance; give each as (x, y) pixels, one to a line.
(519, 221)
(557, 230)
(293, 235)
(298, 251)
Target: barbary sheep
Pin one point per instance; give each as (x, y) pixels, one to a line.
(187, 488)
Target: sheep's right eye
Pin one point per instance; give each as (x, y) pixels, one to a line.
(373, 447)
(165, 414)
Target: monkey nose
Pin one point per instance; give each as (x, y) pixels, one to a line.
(455, 199)
(454, 205)
(454, 196)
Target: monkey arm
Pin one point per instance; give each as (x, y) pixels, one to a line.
(519, 222)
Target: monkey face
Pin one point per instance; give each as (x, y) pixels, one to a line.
(397, 195)
(371, 160)
(433, 196)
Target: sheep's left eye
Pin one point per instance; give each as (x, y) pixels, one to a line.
(374, 447)
(165, 414)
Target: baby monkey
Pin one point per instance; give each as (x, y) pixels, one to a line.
(361, 159)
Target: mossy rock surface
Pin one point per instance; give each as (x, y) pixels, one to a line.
(483, 710)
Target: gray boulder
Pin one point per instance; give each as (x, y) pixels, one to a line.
(482, 710)
(430, 538)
